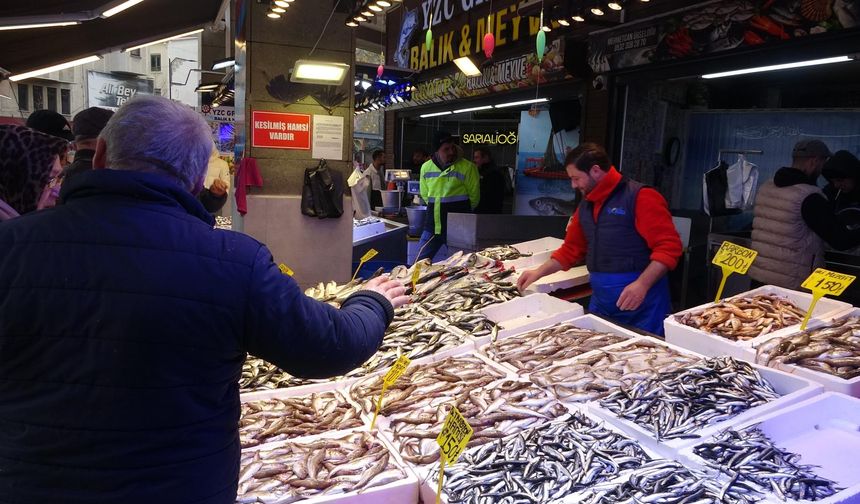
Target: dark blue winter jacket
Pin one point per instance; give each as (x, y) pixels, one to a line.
(124, 321)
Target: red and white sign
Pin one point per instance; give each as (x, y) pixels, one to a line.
(280, 131)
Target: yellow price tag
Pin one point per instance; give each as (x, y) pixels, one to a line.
(416, 273)
(369, 255)
(453, 439)
(388, 380)
(286, 269)
(824, 282)
(366, 257)
(732, 258)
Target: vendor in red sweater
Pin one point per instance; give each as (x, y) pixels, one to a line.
(624, 231)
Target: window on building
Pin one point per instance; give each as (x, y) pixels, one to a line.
(155, 62)
(38, 98)
(23, 97)
(66, 101)
(134, 53)
(52, 98)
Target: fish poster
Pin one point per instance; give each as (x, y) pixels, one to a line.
(542, 186)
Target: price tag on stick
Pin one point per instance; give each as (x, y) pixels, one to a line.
(732, 258)
(366, 257)
(453, 439)
(286, 269)
(824, 282)
(388, 380)
(416, 274)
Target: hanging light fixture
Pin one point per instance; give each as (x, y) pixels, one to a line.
(564, 22)
(360, 19)
(616, 6)
(279, 10)
(273, 15)
(282, 3)
(597, 11)
(383, 3)
(578, 18)
(374, 8)
(367, 13)
(351, 23)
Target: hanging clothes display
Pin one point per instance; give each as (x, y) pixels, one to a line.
(729, 190)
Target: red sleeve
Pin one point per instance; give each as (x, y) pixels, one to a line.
(574, 248)
(654, 224)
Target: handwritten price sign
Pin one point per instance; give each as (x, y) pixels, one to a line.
(455, 435)
(388, 380)
(822, 283)
(732, 258)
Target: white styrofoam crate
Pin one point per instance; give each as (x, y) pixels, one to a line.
(792, 389)
(573, 277)
(829, 382)
(823, 430)
(428, 486)
(523, 314)
(714, 345)
(367, 230)
(397, 492)
(541, 250)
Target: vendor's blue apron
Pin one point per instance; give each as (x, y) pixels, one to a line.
(617, 255)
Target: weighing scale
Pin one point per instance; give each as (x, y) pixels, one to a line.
(391, 199)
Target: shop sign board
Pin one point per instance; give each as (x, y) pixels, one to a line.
(220, 114)
(522, 71)
(280, 130)
(458, 28)
(715, 27)
(111, 91)
(494, 138)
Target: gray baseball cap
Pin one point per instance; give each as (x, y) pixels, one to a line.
(811, 148)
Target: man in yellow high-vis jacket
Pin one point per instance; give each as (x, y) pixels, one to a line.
(449, 183)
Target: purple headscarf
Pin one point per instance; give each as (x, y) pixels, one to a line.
(26, 159)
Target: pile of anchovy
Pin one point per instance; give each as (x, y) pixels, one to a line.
(503, 253)
(258, 374)
(833, 349)
(676, 403)
(421, 385)
(494, 411)
(743, 318)
(277, 419)
(544, 347)
(593, 376)
(666, 481)
(293, 471)
(751, 456)
(542, 464)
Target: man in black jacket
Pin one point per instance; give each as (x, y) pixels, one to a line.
(492, 182)
(125, 318)
(86, 126)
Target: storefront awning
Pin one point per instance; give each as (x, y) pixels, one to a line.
(29, 49)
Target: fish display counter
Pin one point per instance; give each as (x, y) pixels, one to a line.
(828, 352)
(731, 326)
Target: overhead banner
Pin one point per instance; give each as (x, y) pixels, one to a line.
(280, 131)
(715, 27)
(111, 91)
(458, 28)
(521, 71)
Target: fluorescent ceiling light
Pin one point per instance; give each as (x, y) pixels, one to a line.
(223, 63)
(434, 114)
(54, 68)
(524, 102)
(319, 72)
(360, 19)
(564, 22)
(383, 3)
(39, 25)
(121, 7)
(472, 109)
(614, 6)
(783, 66)
(578, 18)
(597, 11)
(273, 15)
(279, 10)
(352, 23)
(466, 66)
(282, 3)
(375, 8)
(161, 41)
(367, 13)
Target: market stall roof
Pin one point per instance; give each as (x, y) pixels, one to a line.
(29, 49)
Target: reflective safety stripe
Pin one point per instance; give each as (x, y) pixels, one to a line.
(453, 174)
(448, 199)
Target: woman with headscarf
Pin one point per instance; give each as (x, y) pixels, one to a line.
(29, 170)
